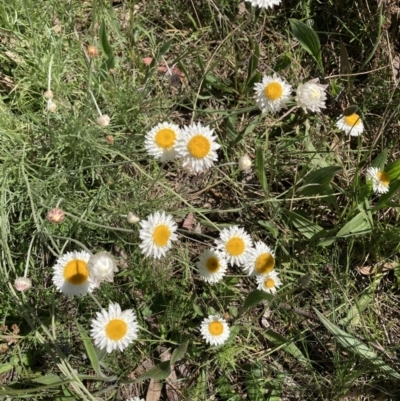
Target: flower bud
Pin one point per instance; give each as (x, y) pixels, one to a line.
(102, 266)
(48, 94)
(244, 163)
(110, 139)
(92, 51)
(51, 106)
(56, 215)
(22, 284)
(132, 218)
(103, 120)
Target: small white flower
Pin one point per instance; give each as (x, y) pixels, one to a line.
(214, 330)
(260, 260)
(22, 284)
(102, 266)
(269, 282)
(244, 163)
(114, 329)
(51, 106)
(103, 120)
(380, 180)
(132, 218)
(160, 141)
(351, 124)
(157, 234)
(212, 266)
(311, 95)
(135, 399)
(235, 243)
(272, 94)
(71, 275)
(197, 147)
(264, 3)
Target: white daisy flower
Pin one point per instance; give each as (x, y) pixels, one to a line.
(235, 243)
(71, 274)
(272, 94)
(260, 260)
(212, 266)
(264, 3)
(160, 141)
(269, 282)
(102, 266)
(157, 233)
(135, 399)
(311, 96)
(351, 124)
(197, 147)
(380, 180)
(214, 330)
(114, 329)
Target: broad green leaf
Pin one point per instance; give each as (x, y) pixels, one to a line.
(358, 225)
(253, 64)
(159, 372)
(344, 59)
(353, 315)
(5, 367)
(288, 346)
(308, 39)
(179, 352)
(354, 345)
(254, 298)
(50, 378)
(393, 169)
(380, 160)
(261, 170)
(271, 227)
(104, 43)
(305, 226)
(317, 182)
(317, 160)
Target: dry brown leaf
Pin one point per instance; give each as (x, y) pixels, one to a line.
(189, 221)
(368, 270)
(154, 390)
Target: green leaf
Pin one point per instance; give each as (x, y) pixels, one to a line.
(309, 229)
(253, 64)
(104, 43)
(50, 378)
(159, 372)
(380, 160)
(358, 225)
(254, 298)
(261, 170)
(270, 226)
(308, 39)
(288, 346)
(179, 352)
(5, 367)
(353, 315)
(318, 181)
(354, 345)
(161, 51)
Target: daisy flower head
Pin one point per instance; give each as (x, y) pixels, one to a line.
(157, 233)
(380, 180)
(264, 3)
(197, 147)
(311, 95)
(351, 124)
(212, 266)
(269, 282)
(160, 141)
(71, 274)
(135, 399)
(235, 243)
(272, 94)
(260, 260)
(214, 330)
(114, 329)
(102, 266)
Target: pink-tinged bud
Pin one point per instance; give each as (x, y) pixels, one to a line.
(56, 215)
(103, 120)
(110, 139)
(244, 163)
(92, 51)
(22, 284)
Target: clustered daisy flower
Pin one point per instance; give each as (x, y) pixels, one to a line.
(102, 266)
(311, 95)
(269, 282)
(351, 124)
(260, 260)
(161, 140)
(214, 330)
(212, 266)
(135, 399)
(264, 3)
(114, 329)
(380, 180)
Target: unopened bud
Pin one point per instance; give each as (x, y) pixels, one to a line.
(48, 94)
(55, 215)
(110, 139)
(103, 120)
(244, 163)
(22, 284)
(51, 106)
(132, 218)
(92, 51)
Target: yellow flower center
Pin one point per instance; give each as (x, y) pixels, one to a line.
(161, 235)
(165, 138)
(215, 328)
(76, 272)
(269, 283)
(352, 120)
(212, 264)
(265, 263)
(383, 177)
(199, 146)
(273, 90)
(116, 329)
(235, 246)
